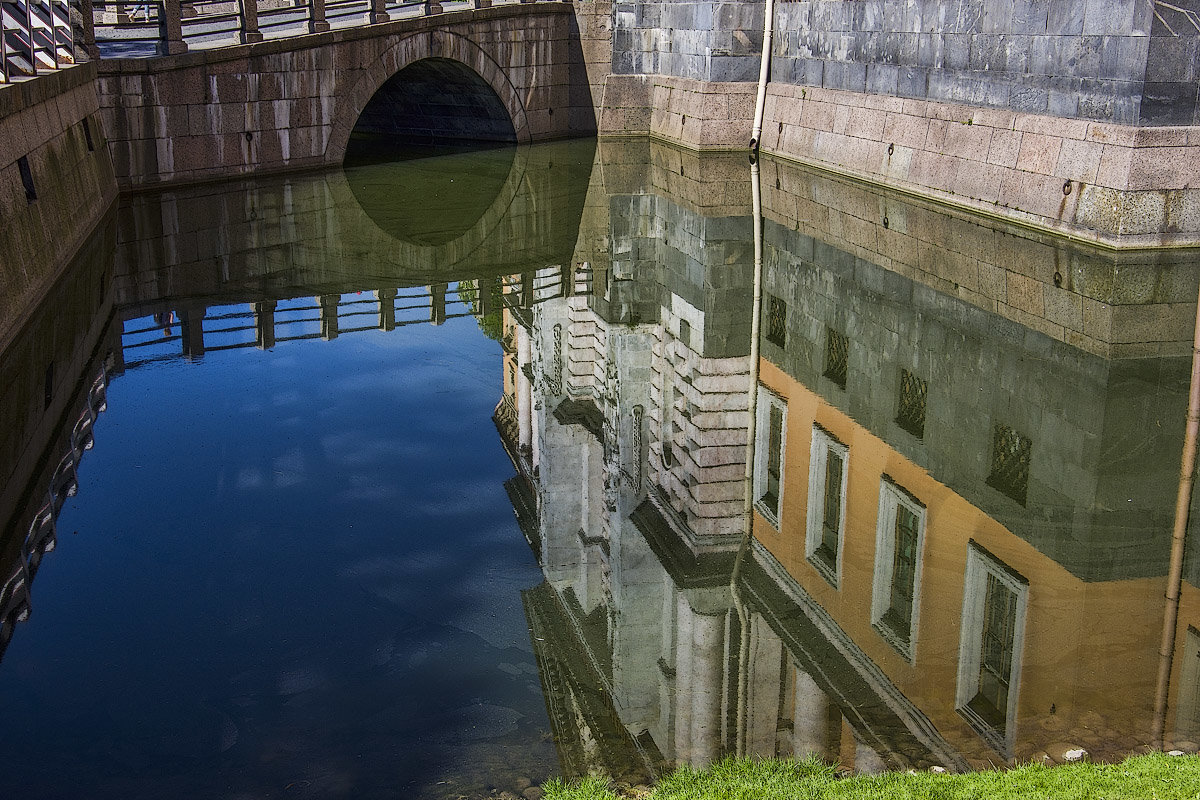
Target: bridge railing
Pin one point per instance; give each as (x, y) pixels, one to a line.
(132, 28)
(35, 37)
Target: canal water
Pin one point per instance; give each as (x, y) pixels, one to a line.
(424, 478)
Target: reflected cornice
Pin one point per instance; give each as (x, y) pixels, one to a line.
(1099, 495)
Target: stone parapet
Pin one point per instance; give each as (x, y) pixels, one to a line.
(56, 183)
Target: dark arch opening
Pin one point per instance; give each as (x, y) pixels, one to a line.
(432, 102)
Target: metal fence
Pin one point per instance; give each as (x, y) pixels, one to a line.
(35, 37)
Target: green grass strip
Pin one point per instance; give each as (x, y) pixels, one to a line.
(1149, 777)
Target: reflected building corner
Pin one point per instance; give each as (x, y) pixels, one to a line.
(949, 504)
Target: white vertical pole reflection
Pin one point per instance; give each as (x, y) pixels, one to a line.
(524, 390)
(748, 475)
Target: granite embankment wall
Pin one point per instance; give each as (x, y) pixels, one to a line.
(1080, 117)
(289, 104)
(56, 183)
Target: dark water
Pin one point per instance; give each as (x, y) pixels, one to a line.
(424, 479)
(293, 567)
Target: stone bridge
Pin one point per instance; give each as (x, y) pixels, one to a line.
(507, 73)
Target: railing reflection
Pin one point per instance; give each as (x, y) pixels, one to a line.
(191, 330)
(40, 536)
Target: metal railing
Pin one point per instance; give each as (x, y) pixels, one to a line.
(159, 27)
(35, 37)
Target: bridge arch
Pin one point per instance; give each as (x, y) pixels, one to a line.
(410, 50)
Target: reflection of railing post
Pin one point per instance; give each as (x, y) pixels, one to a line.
(191, 329)
(379, 12)
(387, 309)
(483, 3)
(264, 325)
(329, 316)
(437, 299)
(172, 27)
(566, 280)
(487, 295)
(316, 17)
(527, 282)
(250, 31)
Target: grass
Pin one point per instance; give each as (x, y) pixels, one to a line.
(1150, 777)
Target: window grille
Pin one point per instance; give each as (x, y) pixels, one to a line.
(1010, 463)
(837, 357)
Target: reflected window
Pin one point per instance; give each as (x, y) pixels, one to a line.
(1010, 463)
(826, 503)
(776, 320)
(770, 436)
(899, 543)
(989, 665)
(910, 414)
(837, 357)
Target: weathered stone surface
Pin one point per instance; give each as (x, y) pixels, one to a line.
(525, 54)
(45, 125)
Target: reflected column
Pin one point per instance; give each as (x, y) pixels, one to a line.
(437, 298)
(329, 315)
(191, 329)
(264, 324)
(763, 685)
(699, 670)
(387, 308)
(814, 721)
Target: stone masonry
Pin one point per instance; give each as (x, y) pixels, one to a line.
(292, 103)
(1078, 117)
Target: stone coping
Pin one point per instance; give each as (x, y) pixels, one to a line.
(15, 97)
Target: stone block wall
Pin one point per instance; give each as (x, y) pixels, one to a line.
(42, 369)
(56, 183)
(1114, 306)
(996, 105)
(1124, 61)
(1084, 60)
(705, 41)
(1117, 182)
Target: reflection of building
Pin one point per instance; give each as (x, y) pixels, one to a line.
(632, 475)
(950, 507)
(54, 373)
(968, 502)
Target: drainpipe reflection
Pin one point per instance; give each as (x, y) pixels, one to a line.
(1183, 499)
(748, 475)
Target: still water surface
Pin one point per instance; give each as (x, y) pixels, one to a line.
(424, 479)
